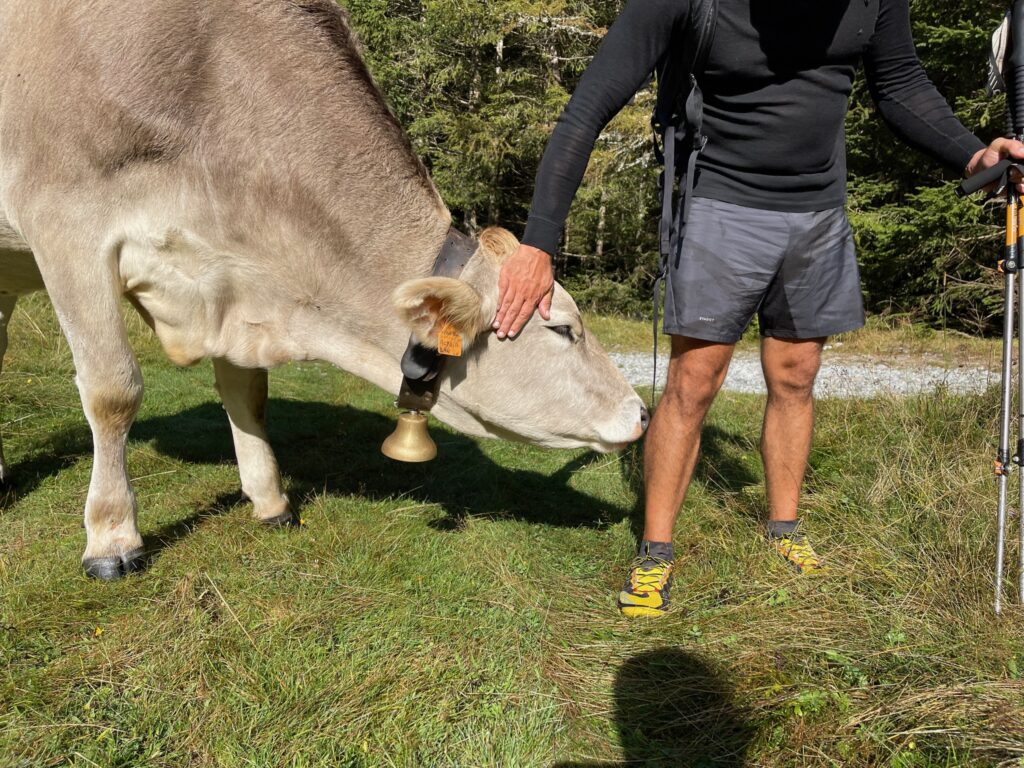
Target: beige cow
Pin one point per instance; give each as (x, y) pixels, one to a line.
(230, 167)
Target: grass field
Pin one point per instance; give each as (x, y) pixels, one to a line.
(462, 613)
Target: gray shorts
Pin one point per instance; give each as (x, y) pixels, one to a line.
(797, 271)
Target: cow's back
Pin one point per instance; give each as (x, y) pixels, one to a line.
(250, 128)
(259, 99)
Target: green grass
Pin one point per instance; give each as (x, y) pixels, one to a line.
(462, 613)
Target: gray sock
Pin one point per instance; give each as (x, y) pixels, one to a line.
(780, 529)
(659, 549)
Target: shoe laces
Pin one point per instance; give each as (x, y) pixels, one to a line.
(797, 548)
(649, 573)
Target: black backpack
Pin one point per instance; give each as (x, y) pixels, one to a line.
(679, 111)
(678, 122)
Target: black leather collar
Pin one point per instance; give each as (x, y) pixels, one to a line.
(455, 254)
(422, 365)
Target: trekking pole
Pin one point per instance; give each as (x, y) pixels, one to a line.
(1010, 71)
(1015, 109)
(1015, 230)
(1013, 309)
(1003, 459)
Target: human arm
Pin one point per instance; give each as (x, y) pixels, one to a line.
(629, 53)
(907, 100)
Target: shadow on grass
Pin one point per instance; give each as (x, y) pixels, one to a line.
(62, 450)
(674, 709)
(720, 469)
(336, 449)
(167, 535)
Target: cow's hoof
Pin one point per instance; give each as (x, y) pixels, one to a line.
(113, 568)
(103, 568)
(133, 562)
(286, 519)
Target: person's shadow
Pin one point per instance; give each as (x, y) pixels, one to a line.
(673, 709)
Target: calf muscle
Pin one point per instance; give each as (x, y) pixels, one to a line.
(695, 375)
(790, 368)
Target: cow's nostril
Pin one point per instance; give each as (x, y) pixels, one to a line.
(645, 418)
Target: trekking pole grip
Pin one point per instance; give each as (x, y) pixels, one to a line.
(984, 178)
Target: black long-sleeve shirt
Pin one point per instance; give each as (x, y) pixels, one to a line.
(776, 90)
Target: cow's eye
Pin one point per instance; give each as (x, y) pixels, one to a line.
(563, 330)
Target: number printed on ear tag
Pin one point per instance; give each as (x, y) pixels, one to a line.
(449, 340)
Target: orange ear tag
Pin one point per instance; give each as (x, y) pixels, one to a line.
(449, 341)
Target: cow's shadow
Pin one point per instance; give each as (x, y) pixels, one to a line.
(62, 450)
(336, 449)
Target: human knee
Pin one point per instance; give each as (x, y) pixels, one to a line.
(793, 379)
(694, 394)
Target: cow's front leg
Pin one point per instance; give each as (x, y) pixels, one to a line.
(87, 302)
(111, 390)
(244, 394)
(6, 310)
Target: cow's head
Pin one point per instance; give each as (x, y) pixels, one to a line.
(553, 385)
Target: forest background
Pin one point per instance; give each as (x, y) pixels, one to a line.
(480, 84)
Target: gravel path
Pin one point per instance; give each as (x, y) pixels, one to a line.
(839, 378)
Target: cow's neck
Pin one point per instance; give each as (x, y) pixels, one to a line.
(362, 333)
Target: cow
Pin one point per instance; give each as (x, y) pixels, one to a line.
(231, 168)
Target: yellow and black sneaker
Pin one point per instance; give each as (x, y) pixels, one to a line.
(647, 591)
(798, 552)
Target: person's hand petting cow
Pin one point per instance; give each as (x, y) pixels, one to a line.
(526, 283)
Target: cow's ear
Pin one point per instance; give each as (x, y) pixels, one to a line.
(425, 305)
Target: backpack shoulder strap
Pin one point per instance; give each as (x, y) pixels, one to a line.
(685, 60)
(679, 110)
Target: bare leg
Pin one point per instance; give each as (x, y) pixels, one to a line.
(790, 368)
(244, 393)
(695, 375)
(6, 310)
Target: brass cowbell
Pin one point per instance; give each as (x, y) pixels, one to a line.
(410, 441)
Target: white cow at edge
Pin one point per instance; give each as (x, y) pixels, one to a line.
(231, 168)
